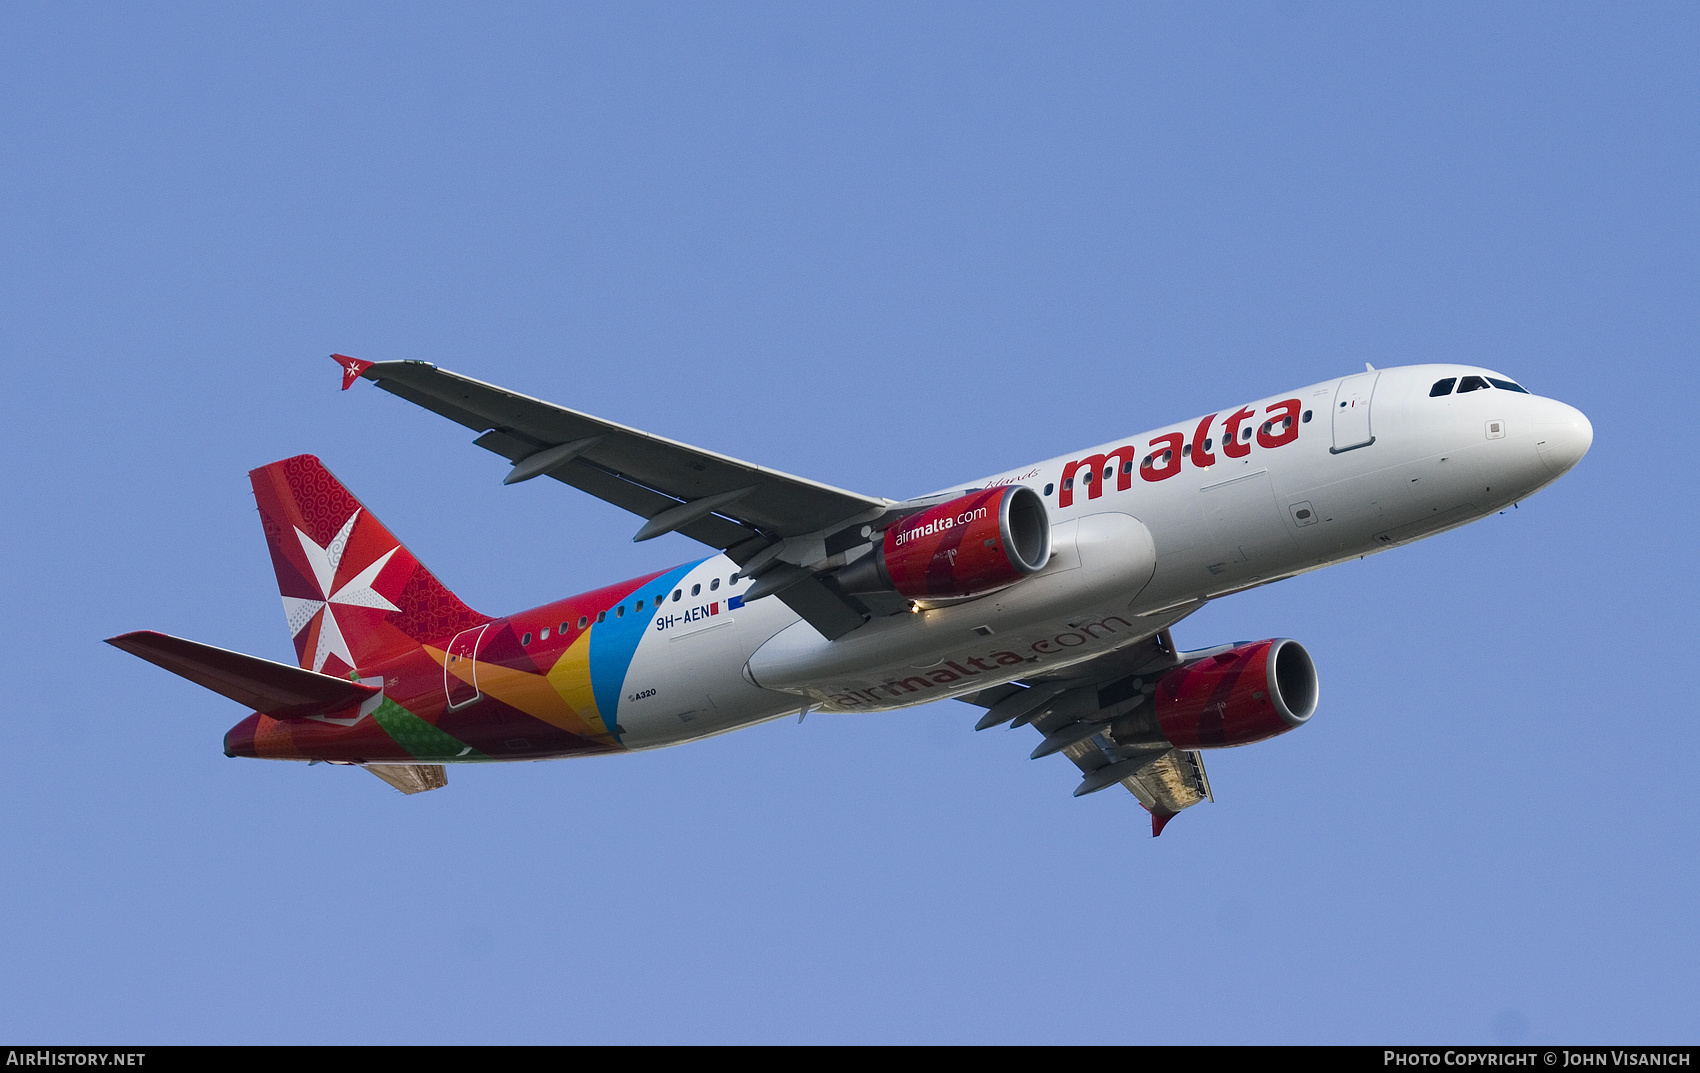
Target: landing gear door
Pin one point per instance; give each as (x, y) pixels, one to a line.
(460, 667)
(1351, 412)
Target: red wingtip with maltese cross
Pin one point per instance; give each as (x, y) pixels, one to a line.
(351, 369)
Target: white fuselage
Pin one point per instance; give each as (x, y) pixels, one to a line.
(1375, 462)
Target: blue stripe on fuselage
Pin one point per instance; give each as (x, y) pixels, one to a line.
(614, 642)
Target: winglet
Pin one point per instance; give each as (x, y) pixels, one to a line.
(351, 368)
(1159, 820)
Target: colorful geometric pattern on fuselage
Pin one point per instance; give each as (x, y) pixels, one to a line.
(360, 605)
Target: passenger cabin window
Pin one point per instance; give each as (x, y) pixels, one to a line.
(1306, 417)
(602, 616)
(544, 636)
(638, 606)
(525, 639)
(696, 590)
(563, 628)
(1049, 488)
(583, 622)
(620, 612)
(1442, 387)
(715, 584)
(1472, 383)
(1508, 385)
(677, 593)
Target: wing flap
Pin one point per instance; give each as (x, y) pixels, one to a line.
(612, 488)
(1176, 781)
(276, 689)
(1074, 708)
(714, 531)
(411, 778)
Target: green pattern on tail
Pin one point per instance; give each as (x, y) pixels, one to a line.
(420, 738)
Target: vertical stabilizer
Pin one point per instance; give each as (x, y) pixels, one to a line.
(352, 593)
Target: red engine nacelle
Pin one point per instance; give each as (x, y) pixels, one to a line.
(972, 544)
(1236, 697)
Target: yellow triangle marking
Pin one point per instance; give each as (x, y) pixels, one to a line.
(538, 696)
(570, 677)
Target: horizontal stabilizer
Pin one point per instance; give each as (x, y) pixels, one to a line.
(270, 688)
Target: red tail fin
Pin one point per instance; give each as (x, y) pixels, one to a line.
(352, 593)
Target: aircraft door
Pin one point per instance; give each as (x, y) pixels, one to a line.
(460, 667)
(1351, 412)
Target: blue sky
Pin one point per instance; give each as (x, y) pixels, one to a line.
(887, 247)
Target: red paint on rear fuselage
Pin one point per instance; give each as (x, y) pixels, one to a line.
(413, 680)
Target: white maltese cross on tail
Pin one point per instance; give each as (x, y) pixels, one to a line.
(356, 592)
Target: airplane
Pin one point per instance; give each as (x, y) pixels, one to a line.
(1044, 595)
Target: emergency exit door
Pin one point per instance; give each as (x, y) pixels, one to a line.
(460, 667)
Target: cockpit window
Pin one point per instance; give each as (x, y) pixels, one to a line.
(1507, 385)
(1442, 387)
(1471, 383)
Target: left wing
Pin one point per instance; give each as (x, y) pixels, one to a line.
(760, 517)
(1080, 709)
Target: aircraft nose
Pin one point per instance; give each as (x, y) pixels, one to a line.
(1565, 436)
